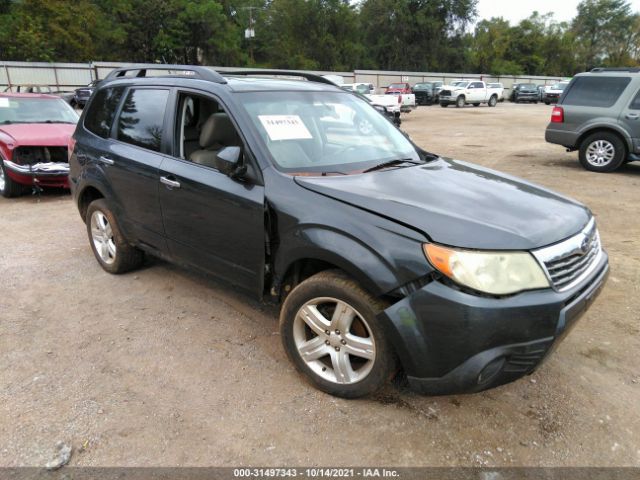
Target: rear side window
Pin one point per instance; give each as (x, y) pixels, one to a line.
(596, 91)
(102, 110)
(635, 105)
(142, 117)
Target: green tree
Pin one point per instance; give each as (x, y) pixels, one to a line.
(605, 32)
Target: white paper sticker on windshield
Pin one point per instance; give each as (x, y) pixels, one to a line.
(285, 127)
(4, 102)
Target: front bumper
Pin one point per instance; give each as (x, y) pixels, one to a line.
(46, 174)
(528, 97)
(452, 342)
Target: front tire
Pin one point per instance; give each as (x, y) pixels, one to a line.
(602, 152)
(460, 102)
(444, 105)
(331, 333)
(8, 188)
(493, 101)
(113, 252)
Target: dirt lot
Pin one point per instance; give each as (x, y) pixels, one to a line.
(167, 367)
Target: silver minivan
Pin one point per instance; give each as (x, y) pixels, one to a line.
(599, 115)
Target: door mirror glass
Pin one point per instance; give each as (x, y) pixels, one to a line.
(228, 161)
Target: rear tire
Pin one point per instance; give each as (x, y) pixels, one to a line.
(330, 330)
(113, 252)
(602, 152)
(9, 188)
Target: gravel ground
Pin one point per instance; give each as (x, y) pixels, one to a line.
(165, 367)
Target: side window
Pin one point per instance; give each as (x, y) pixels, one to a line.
(595, 91)
(102, 110)
(203, 129)
(635, 104)
(142, 117)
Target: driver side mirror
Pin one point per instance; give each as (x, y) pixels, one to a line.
(228, 162)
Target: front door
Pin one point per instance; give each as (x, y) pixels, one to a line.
(211, 220)
(630, 120)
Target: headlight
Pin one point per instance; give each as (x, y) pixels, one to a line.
(497, 273)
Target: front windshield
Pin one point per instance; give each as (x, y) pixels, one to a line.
(559, 86)
(528, 86)
(324, 132)
(423, 86)
(36, 110)
(397, 85)
(460, 84)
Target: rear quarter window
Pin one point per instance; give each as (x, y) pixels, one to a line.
(102, 110)
(595, 91)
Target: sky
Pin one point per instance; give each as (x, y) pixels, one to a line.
(516, 10)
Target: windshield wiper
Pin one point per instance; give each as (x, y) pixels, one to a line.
(391, 163)
(324, 174)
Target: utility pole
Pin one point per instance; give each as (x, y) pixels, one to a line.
(250, 32)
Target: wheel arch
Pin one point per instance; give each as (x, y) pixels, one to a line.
(325, 250)
(608, 129)
(87, 195)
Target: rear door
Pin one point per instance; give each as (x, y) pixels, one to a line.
(630, 120)
(134, 157)
(118, 154)
(211, 221)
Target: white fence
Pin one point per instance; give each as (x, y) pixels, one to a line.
(68, 76)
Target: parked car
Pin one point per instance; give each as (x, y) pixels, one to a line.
(526, 92)
(512, 92)
(34, 132)
(398, 89)
(599, 115)
(406, 102)
(462, 93)
(553, 92)
(425, 93)
(500, 88)
(541, 92)
(82, 94)
(362, 88)
(382, 255)
(44, 89)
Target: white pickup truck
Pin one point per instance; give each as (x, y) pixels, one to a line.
(405, 102)
(466, 92)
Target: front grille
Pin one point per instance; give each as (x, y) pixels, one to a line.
(34, 155)
(445, 93)
(571, 261)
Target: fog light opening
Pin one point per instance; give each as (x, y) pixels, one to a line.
(492, 369)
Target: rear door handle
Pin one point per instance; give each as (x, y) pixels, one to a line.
(633, 116)
(169, 182)
(106, 160)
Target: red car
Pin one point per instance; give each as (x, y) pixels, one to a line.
(398, 88)
(34, 132)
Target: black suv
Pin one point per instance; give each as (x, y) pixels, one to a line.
(384, 256)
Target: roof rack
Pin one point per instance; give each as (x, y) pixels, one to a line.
(617, 69)
(312, 77)
(203, 73)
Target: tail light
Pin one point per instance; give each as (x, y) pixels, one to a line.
(399, 99)
(557, 115)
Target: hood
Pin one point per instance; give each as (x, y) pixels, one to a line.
(460, 204)
(39, 134)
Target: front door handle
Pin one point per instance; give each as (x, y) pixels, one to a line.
(106, 160)
(169, 182)
(633, 116)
